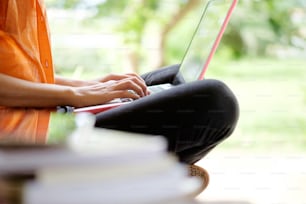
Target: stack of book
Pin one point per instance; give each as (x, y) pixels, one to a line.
(94, 166)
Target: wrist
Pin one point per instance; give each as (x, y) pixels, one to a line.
(73, 97)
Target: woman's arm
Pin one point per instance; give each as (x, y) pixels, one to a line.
(15, 92)
(111, 77)
(72, 82)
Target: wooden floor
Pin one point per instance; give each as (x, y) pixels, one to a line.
(254, 178)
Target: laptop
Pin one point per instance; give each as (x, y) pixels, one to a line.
(199, 53)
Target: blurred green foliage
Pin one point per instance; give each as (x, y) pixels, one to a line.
(271, 94)
(61, 126)
(257, 28)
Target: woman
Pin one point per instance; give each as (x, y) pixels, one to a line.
(194, 117)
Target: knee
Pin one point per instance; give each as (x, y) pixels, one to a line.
(219, 120)
(212, 99)
(225, 102)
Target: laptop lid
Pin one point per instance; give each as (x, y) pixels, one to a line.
(206, 38)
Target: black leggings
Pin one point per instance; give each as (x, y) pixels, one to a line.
(194, 117)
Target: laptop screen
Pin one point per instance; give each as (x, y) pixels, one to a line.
(206, 38)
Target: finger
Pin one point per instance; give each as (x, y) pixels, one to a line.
(131, 94)
(121, 76)
(136, 75)
(140, 82)
(143, 83)
(112, 77)
(124, 94)
(129, 85)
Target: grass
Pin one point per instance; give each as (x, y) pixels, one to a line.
(271, 94)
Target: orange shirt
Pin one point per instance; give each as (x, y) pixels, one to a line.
(25, 53)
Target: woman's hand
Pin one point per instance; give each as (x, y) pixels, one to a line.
(116, 77)
(109, 88)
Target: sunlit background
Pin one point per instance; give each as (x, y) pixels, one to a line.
(262, 57)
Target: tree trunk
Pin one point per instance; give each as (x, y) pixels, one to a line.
(132, 58)
(174, 21)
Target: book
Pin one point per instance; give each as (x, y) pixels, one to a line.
(153, 187)
(94, 166)
(97, 146)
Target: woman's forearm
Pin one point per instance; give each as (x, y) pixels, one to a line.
(15, 92)
(72, 82)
